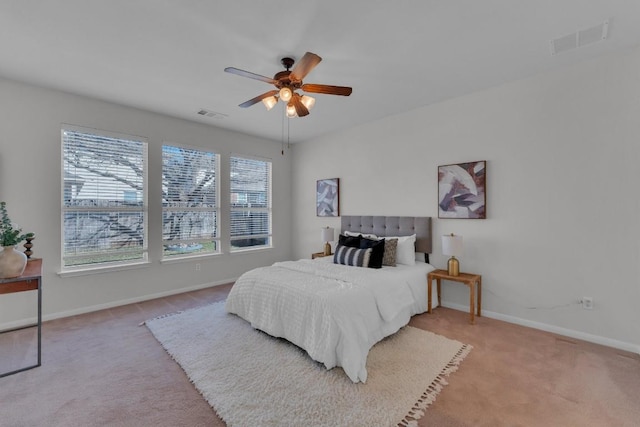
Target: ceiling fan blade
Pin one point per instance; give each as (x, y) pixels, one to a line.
(326, 89)
(304, 66)
(248, 74)
(301, 110)
(258, 98)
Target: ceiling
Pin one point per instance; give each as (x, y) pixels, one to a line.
(168, 56)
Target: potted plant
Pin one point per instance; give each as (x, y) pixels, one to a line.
(12, 261)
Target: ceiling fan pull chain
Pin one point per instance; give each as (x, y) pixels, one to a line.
(288, 133)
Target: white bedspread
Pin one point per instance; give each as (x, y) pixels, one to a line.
(334, 312)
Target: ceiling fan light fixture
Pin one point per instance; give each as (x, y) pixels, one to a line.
(270, 102)
(291, 111)
(285, 94)
(308, 101)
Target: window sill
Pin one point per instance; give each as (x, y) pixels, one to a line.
(250, 250)
(186, 258)
(85, 271)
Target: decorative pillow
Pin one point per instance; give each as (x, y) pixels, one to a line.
(352, 256)
(350, 241)
(390, 250)
(377, 251)
(406, 252)
(367, 236)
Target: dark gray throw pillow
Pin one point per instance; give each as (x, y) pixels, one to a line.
(377, 251)
(350, 241)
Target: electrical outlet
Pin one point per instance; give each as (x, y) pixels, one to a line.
(197, 267)
(587, 303)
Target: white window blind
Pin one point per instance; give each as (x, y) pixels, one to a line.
(250, 203)
(104, 199)
(190, 211)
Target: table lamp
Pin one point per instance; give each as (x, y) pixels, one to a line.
(452, 245)
(327, 236)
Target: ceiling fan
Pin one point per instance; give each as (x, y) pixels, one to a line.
(287, 82)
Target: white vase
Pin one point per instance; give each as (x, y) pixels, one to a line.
(12, 262)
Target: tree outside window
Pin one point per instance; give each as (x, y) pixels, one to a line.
(190, 211)
(103, 198)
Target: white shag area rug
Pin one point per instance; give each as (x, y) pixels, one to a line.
(253, 379)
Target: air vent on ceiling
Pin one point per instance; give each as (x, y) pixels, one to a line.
(212, 114)
(580, 38)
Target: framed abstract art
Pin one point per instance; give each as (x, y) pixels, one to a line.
(462, 190)
(328, 197)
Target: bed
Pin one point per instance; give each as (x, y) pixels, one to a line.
(336, 312)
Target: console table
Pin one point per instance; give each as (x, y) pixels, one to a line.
(31, 280)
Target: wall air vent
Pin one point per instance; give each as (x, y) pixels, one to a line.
(211, 114)
(580, 38)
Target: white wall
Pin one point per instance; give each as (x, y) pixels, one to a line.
(563, 174)
(30, 120)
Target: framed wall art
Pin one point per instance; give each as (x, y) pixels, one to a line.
(328, 197)
(462, 190)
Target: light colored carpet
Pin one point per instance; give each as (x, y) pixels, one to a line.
(252, 379)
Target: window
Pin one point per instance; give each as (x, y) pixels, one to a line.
(104, 198)
(189, 202)
(250, 203)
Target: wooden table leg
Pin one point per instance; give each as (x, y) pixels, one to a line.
(472, 300)
(428, 294)
(479, 291)
(438, 285)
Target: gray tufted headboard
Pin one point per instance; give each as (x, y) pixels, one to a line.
(392, 226)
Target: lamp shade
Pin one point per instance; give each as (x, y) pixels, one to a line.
(308, 101)
(328, 234)
(285, 94)
(291, 111)
(269, 102)
(452, 245)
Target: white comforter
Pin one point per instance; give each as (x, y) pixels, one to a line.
(334, 312)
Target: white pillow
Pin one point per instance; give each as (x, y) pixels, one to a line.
(406, 252)
(355, 234)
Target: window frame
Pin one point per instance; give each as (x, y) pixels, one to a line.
(71, 270)
(217, 209)
(268, 209)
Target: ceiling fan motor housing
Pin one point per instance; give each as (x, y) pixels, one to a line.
(283, 78)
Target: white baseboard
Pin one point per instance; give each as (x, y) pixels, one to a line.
(493, 315)
(33, 320)
(596, 339)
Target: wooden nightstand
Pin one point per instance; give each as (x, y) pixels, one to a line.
(473, 281)
(319, 255)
